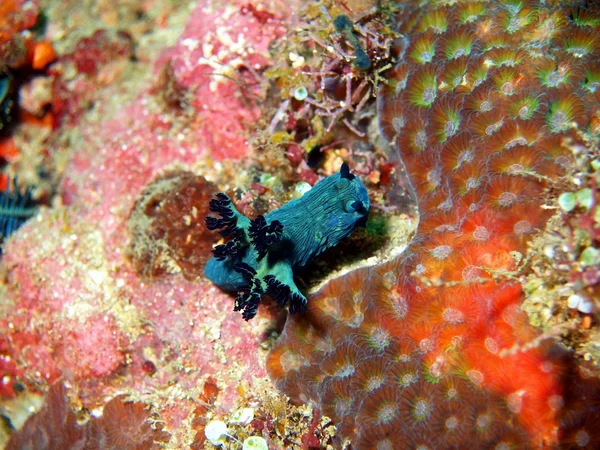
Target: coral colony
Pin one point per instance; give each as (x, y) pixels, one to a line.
(262, 253)
(429, 351)
(481, 117)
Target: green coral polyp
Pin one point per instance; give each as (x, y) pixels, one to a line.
(262, 253)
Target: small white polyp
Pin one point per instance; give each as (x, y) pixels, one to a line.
(216, 432)
(255, 443)
(581, 303)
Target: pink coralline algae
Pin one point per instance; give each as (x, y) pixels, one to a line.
(92, 348)
(74, 307)
(218, 56)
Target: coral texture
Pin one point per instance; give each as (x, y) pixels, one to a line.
(123, 426)
(165, 236)
(431, 350)
(262, 254)
(19, 51)
(79, 75)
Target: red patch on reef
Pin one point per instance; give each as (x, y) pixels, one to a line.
(9, 372)
(92, 52)
(20, 348)
(77, 75)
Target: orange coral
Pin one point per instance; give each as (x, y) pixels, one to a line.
(436, 345)
(8, 150)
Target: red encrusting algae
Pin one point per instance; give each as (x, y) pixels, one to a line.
(431, 350)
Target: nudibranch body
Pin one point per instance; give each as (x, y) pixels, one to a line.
(262, 253)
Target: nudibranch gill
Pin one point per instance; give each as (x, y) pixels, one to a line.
(261, 255)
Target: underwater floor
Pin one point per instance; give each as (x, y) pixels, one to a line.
(410, 225)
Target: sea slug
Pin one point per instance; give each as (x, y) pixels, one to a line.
(262, 253)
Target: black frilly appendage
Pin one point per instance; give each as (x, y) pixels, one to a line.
(249, 295)
(283, 295)
(263, 235)
(230, 249)
(223, 206)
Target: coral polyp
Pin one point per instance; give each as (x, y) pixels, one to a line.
(422, 88)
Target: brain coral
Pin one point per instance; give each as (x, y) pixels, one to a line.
(431, 350)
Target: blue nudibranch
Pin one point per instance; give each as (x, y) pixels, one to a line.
(262, 253)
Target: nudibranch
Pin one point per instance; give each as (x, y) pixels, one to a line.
(261, 254)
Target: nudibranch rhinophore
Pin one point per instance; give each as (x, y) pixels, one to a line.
(261, 255)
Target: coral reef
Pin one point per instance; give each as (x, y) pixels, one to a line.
(266, 413)
(431, 350)
(324, 105)
(25, 57)
(95, 62)
(262, 253)
(19, 49)
(486, 110)
(562, 287)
